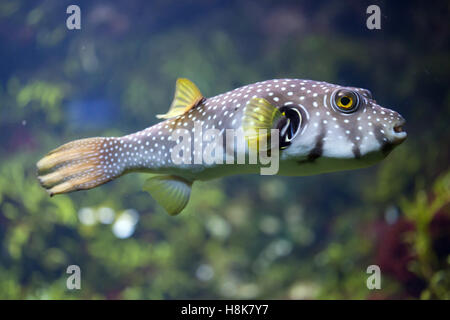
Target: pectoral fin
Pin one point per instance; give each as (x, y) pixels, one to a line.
(171, 192)
(187, 96)
(259, 114)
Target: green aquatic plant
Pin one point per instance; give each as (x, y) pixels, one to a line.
(422, 211)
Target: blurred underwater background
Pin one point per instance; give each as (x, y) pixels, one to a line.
(240, 237)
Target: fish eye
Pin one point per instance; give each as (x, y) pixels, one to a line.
(289, 125)
(346, 101)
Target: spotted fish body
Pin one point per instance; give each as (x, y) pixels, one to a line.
(319, 133)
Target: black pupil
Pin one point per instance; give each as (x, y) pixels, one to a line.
(345, 100)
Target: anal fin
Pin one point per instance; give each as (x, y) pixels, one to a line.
(171, 192)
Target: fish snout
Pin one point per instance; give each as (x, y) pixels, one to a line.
(397, 134)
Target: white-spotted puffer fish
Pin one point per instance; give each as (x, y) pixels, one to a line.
(322, 127)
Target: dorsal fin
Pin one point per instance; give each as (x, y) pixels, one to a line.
(187, 96)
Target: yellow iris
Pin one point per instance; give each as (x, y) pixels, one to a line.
(345, 102)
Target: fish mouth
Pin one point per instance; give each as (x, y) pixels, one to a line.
(398, 128)
(398, 132)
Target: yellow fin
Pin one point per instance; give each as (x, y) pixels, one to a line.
(74, 166)
(259, 114)
(171, 192)
(187, 96)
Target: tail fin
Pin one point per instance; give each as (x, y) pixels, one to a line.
(77, 165)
